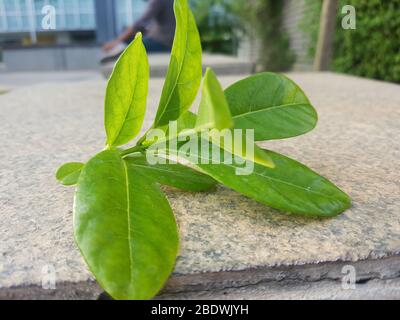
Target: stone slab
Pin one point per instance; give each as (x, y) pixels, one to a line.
(229, 244)
(222, 64)
(10, 80)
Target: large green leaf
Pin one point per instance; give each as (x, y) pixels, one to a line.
(271, 104)
(173, 174)
(124, 228)
(68, 174)
(185, 70)
(125, 103)
(289, 186)
(214, 110)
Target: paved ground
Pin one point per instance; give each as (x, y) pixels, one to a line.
(10, 80)
(231, 246)
(222, 65)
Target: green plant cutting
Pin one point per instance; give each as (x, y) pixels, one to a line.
(123, 223)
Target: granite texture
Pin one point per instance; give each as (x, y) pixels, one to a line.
(355, 145)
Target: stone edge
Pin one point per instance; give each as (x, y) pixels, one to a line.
(178, 286)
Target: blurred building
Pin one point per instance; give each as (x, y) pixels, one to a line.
(61, 34)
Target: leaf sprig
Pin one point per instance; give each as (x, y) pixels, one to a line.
(123, 223)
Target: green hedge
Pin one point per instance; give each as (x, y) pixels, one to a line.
(373, 49)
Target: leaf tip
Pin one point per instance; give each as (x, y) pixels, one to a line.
(138, 35)
(210, 73)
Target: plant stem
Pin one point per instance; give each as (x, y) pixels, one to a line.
(141, 140)
(135, 149)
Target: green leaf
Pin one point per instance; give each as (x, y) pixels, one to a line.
(173, 175)
(289, 186)
(124, 228)
(214, 113)
(186, 121)
(185, 70)
(271, 104)
(68, 174)
(125, 103)
(214, 110)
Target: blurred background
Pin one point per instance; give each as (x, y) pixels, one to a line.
(275, 35)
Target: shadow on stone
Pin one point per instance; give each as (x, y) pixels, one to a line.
(104, 296)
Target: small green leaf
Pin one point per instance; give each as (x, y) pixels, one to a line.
(68, 174)
(214, 114)
(271, 104)
(173, 175)
(185, 70)
(186, 121)
(124, 228)
(126, 95)
(289, 186)
(214, 110)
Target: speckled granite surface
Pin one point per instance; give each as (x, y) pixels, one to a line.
(356, 145)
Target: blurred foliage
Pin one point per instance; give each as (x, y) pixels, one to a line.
(222, 22)
(310, 23)
(217, 23)
(373, 49)
(264, 17)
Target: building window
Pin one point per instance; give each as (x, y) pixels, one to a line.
(128, 11)
(71, 15)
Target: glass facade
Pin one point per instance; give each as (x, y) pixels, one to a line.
(128, 11)
(71, 15)
(25, 15)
